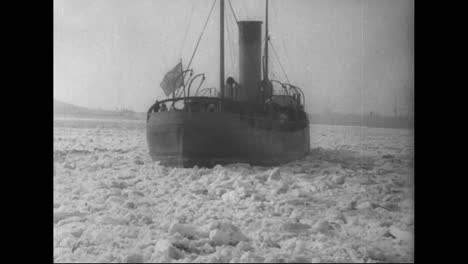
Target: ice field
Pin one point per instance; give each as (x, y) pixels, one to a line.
(349, 200)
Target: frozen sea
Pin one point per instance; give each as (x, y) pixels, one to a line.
(349, 200)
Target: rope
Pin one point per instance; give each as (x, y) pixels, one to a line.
(230, 46)
(277, 58)
(201, 34)
(180, 93)
(186, 31)
(232, 11)
(242, 11)
(285, 50)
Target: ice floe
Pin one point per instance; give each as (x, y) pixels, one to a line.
(350, 200)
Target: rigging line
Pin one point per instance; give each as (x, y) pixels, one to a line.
(179, 93)
(230, 46)
(234, 45)
(273, 7)
(228, 43)
(201, 34)
(186, 30)
(277, 58)
(242, 11)
(285, 50)
(230, 5)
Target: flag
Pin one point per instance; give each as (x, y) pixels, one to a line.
(173, 80)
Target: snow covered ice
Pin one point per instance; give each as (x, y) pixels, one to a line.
(349, 200)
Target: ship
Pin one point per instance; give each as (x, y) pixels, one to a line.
(246, 121)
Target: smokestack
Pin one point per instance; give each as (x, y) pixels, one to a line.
(250, 52)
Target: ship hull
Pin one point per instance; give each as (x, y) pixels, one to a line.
(186, 139)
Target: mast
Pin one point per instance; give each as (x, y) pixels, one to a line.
(265, 68)
(221, 50)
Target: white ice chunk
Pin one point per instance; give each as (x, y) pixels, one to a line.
(165, 250)
(231, 197)
(185, 230)
(274, 174)
(400, 234)
(134, 258)
(227, 234)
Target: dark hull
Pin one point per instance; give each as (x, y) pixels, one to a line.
(185, 139)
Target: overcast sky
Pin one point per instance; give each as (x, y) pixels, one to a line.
(349, 56)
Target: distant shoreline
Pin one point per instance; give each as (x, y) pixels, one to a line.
(367, 120)
(315, 119)
(62, 109)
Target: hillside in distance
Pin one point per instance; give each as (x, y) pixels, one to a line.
(369, 120)
(67, 109)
